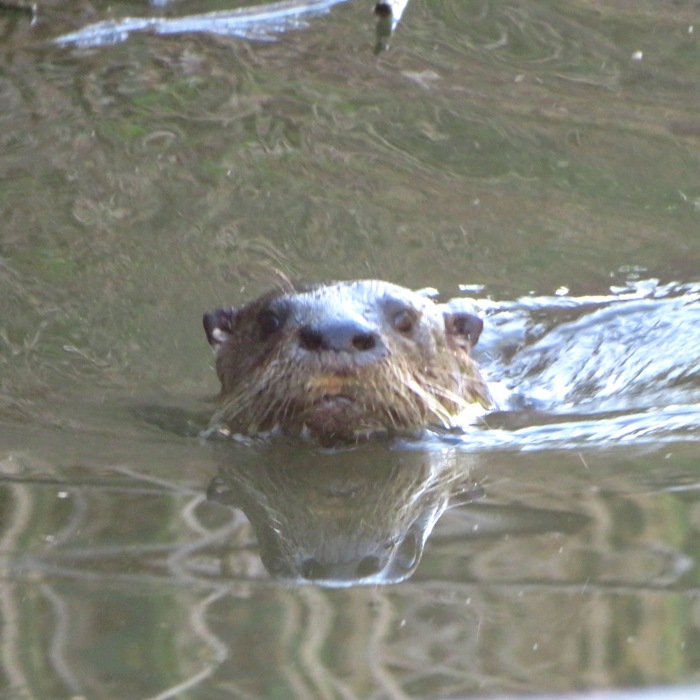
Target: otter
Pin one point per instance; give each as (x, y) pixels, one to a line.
(344, 361)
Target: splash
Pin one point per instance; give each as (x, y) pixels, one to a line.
(593, 370)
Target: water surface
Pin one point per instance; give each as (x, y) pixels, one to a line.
(539, 157)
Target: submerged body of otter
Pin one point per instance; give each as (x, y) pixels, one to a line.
(344, 361)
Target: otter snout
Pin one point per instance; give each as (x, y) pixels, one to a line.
(341, 335)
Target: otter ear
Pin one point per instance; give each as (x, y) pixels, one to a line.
(464, 325)
(219, 325)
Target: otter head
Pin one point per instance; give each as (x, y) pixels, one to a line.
(343, 361)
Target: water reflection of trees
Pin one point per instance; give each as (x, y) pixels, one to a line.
(124, 587)
(258, 22)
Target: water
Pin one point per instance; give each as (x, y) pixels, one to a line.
(606, 369)
(539, 158)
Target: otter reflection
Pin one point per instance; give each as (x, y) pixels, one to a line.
(341, 518)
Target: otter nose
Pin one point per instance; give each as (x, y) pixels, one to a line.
(348, 335)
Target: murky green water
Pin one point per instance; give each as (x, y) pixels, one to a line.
(546, 151)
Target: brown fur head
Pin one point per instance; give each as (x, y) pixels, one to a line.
(344, 361)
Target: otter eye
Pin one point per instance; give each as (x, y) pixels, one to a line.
(269, 323)
(403, 321)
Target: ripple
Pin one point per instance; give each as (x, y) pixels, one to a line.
(593, 370)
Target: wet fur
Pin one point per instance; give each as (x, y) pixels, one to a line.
(423, 379)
